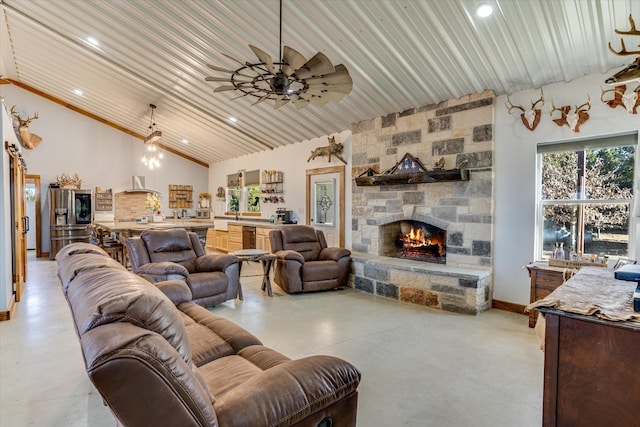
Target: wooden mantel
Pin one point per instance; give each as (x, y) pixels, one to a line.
(437, 175)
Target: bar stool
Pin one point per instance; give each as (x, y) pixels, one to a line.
(114, 248)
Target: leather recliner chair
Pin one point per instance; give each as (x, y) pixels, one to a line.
(305, 263)
(162, 255)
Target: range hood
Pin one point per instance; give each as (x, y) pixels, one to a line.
(137, 186)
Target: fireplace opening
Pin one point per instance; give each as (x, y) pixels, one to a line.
(414, 240)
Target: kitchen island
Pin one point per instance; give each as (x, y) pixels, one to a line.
(126, 229)
(231, 235)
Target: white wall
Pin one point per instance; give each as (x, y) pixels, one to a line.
(515, 164)
(101, 155)
(292, 160)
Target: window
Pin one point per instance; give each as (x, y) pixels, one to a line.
(586, 197)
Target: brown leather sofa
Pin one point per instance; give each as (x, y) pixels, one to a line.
(305, 263)
(177, 254)
(158, 359)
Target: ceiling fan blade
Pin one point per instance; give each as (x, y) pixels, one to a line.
(244, 94)
(292, 59)
(224, 88)
(216, 68)
(319, 101)
(316, 66)
(261, 99)
(300, 102)
(340, 88)
(264, 57)
(234, 59)
(217, 79)
(280, 102)
(339, 76)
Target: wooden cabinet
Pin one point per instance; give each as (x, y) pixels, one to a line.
(235, 238)
(211, 239)
(589, 374)
(262, 238)
(544, 280)
(222, 241)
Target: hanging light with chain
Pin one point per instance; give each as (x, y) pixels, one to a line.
(152, 141)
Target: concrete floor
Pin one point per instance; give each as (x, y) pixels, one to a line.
(420, 367)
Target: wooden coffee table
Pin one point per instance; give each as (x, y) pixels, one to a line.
(266, 259)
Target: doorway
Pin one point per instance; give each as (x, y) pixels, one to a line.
(33, 213)
(325, 202)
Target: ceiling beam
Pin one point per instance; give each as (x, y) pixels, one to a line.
(96, 117)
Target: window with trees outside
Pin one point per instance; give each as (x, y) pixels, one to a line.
(586, 197)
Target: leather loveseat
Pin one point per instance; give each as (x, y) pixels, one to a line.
(158, 359)
(177, 254)
(305, 263)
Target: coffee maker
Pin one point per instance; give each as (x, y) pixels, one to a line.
(284, 216)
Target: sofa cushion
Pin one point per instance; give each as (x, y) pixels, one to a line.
(79, 248)
(170, 245)
(108, 295)
(74, 265)
(319, 270)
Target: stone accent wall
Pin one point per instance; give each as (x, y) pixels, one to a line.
(459, 130)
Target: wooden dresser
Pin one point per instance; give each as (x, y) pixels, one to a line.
(544, 280)
(590, 371)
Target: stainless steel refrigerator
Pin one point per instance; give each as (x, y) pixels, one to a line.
(69, 214)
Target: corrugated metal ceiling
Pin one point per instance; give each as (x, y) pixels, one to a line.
(400, 54)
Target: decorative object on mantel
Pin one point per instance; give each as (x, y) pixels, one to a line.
(632, 71)
(410, 170)
(69, 182)
(291, 78)
(531, 117)
(574, 119)
(333, 149)
(630, 101)
(29, 140)
(152, 141)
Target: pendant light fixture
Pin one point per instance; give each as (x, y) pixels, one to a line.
(152, 141)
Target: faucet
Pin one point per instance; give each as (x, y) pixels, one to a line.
(184, 213)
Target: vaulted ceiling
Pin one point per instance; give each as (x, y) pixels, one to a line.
(400, 54)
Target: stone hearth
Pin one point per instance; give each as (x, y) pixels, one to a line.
(461, 132)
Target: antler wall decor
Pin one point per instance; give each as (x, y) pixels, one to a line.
(632, 71)
(30, 140)
(630, 100)
(572, 118)
(530, 117)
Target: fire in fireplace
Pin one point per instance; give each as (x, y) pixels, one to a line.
(415, 240)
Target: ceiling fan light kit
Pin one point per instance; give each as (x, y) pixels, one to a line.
(292, 78)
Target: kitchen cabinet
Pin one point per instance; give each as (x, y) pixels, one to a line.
(262, 238)
(221, 240)
(234, 237)
(211, 239)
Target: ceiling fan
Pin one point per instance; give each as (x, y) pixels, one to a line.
(291, 78)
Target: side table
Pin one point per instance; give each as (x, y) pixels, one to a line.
(265, 258)
(544, 280)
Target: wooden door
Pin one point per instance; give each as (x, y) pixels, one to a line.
(18, 220)
(325, 202)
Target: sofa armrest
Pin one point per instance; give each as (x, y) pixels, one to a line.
(215, 262)
(176, 290)
(165, 270)
(290, 255)
(288, 392)
(333, 254)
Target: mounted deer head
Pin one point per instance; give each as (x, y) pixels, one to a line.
(630, 101)
(30, 140)
(531, 117)
(574, 118)
(632, 71)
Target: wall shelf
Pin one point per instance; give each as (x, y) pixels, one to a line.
(104, 200)
(180, 196)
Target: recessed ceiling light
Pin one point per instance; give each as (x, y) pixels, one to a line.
(233, 119)
(78, 92)
(185, 141)
(483, 10)
(93, 41)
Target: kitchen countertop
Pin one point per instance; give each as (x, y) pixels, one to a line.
(120, 226)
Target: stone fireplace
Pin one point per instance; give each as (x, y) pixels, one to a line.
(449, 269)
